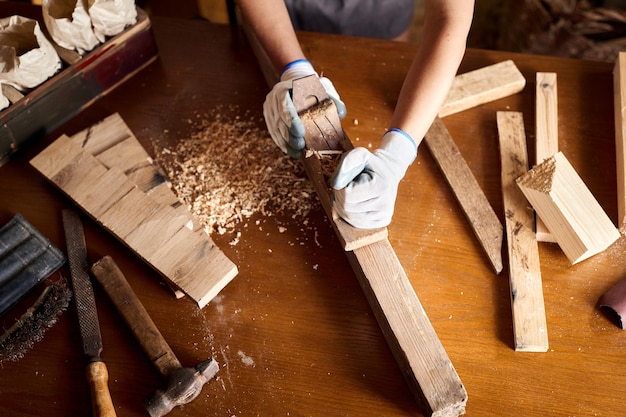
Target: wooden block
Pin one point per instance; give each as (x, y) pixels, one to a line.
(56, 156)
(529, 317)
(480, 214)
(163, 193)
(619, 86)
(127, 155)
(103, 135)
(481, 86)
(157, 228)
(79, 176)
(129, 213)
(199, 258)
(109, 189)
(546, 132)
(425, 364)
(573, 215)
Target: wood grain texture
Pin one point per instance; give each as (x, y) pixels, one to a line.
(477, 209)
(578, 222)
(619, 100)
(155, 226)
(480, 86)
(415, 345)
(527, 304)
(546, 132)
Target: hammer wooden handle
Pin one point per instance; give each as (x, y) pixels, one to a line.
(101, 402)
(135, 315)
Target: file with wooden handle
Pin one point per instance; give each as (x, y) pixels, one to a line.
(97, 373)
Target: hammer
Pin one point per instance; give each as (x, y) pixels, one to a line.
(184, 384)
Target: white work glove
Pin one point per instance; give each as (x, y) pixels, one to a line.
(366, 183)
(281, 117)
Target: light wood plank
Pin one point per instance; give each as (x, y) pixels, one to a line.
(407, 329)
(546, 132)
(619, 93)
(527, 305)
(481, 86)
(571, 212)
(479, 213)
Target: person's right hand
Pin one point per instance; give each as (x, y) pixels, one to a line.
(281, 117)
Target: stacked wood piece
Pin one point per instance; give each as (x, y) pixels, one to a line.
(529, 317)
(106, 171)
(573, 215)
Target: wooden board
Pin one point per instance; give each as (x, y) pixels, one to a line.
(429, 373)
(481, 86)
(573, 215)
(529, 316)
(98, 168)
(619, 94)
(546, 132)
(479, 213)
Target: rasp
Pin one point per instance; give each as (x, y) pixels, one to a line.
(97, 373)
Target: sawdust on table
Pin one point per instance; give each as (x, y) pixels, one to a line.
(229, 170)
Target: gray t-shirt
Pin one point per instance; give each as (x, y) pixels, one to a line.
(384, 19)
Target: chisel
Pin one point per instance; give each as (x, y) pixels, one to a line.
(97, 373)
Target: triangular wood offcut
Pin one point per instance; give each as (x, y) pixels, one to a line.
(106, 171)
(569, 210)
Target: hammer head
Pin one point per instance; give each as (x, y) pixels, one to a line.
(184, 385)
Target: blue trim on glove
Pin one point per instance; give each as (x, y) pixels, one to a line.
(406, 135)
(291, 64)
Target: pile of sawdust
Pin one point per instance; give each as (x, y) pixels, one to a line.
(230, 170)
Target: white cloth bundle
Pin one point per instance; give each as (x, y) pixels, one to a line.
(110, 17)
(69, 24)
(27, 58)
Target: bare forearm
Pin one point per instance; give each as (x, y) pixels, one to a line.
(271, 24)
(446, 25)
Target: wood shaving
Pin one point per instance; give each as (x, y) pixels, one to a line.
(230, 170)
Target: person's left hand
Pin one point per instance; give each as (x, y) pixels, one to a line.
(366, 183)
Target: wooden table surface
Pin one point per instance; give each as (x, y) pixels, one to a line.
(293, 332)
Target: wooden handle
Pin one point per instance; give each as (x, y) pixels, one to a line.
(108, 274)
(101, 401)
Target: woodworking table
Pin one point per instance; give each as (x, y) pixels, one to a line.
(293, 332)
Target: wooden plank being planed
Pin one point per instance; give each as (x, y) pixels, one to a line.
(529, 316)
(427, 369)
(121, 189)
